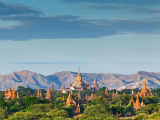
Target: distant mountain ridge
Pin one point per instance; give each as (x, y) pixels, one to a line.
(112, 81)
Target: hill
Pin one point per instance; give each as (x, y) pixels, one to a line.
(112, 81)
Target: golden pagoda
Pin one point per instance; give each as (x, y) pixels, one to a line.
(124, 93)
(144, 91)
(48, 95)
(71, 92)
(79, 77)
(14, 95)
(106, 91)
(69, 100)
(137, 104)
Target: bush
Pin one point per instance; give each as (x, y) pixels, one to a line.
(69, 111)
(27, 116)
(3, 114)
(41, 107)
(57, 113)
(141, 116)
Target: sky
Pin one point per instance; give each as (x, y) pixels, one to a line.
(97, 36)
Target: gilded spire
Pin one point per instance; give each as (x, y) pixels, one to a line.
(144, 85)
(79, 77)
(124, 93)
(71, 92)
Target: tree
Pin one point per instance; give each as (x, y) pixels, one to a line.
(3, 114)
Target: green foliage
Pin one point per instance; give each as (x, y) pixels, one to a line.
(141, 116)
(124, 99)
(27, 116)
(41, 107)
(29, 101)
(69, 110)
(97, 111)
(158, 92)
(57, 113)
(14, 108)
(148, 108)
(117, 109)
(3, 113)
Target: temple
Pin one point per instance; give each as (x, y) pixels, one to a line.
(144, 91)
(137, 104)
(10, 94)
(106, 91)
(78, 85)
(48, 95)
(51, 88)
(95, 85)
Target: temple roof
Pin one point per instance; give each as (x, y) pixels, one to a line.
(79, 77)
(144, 85)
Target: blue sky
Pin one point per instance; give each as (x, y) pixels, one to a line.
(99, 36)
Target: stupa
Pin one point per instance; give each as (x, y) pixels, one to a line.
(51, 88)
(144, 91)
(78, 85)
(14, 95)
(48, 95)
(106, 91)
(70, 100)
(137, 104)
(95, 85)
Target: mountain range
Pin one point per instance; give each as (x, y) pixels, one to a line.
(111, 81)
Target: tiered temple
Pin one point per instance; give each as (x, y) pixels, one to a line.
(78, 85)
(144, 91)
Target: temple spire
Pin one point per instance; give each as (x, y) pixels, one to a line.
(79, 77)
(144, 85)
